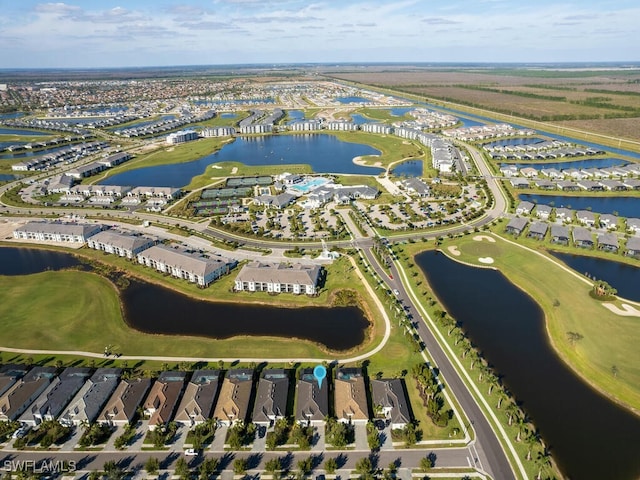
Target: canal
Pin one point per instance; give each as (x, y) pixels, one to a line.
(589, 436)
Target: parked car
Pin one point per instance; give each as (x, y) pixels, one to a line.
(191, 452)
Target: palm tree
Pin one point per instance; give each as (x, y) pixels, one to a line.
(502, 395)
(493, 381)
(513, 412)
(531, 440)
(543, 461)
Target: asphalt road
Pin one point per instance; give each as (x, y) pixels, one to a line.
(490, 453)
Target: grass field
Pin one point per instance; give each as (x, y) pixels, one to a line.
(608, 339)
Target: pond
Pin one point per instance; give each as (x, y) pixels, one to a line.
(623, 277)
(295, 116)
(359, 119)
(325, 154)
(589, 436)
(628, 207)
(154, 309)
(412, 168)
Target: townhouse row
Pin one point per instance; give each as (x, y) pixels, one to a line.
(79, 395)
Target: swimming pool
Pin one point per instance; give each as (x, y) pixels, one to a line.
(309, 184)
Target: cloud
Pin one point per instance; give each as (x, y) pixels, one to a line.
(56, 8)
(438, 21)
(207, 25)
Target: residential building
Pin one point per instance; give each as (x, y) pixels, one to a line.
(516, 226)
(235, 395)
(586, 217)
(633, 247)
(199, 397)
(519, 183)
(415, 186)
(350, 396)
(538, 230)
(312, 399)
(564, 214)
(608, 242)
(279, 278)
(524, 208)
(10, 373)
(120, 243)
(56, 232)
(51, 402)
(559, 234)
(122, 406)
(271, 397)
(21, 394)
(163, 398)
(390, 401)
(194, 267)
(182, 136)
(608, 221)
(543, 211)
(278, 202)
(88, 402)
(582, 237)
(633, 225)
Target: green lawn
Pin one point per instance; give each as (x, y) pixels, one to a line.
(608, 339)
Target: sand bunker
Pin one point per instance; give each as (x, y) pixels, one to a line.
(453, 250)
(217, 167)
(234, 170)
(487, 260)
(480, 238)
(624, 310)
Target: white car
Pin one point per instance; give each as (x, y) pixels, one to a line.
(191, 452)
(396, 292)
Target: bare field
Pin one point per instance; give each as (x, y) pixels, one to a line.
(616, 127)
(535, 108)
(457, 77)
(582, 94)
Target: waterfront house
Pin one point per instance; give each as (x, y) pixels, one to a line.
(524, 208)
(122, 406)
(564, 214)
(608, 242)
(590, 186)
(519, 183)
(350, 396)
(613, 185)
(544, 184)
(199, 397)
(567, 186)
(235, 395)
(633, 225)
(543, 211)
(586, 217)
(390, 401)
(312, 400)
(559, 234)
(86, 405)
(609, 221)
(633, 247)
(271, 397)
(516, 226)
(22, 393)
(529, 172)
(163, 398)
(279, 278)
(538, 230)
(56, 396)
(631, 183)
(582, 237)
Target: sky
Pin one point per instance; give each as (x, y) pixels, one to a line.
(124, 33)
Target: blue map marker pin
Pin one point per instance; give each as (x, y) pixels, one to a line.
(320, 373)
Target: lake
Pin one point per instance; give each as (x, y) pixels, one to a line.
(325, 154)
(154, 309)
(623, 206)
(412, 168)
(359, 119)
(589, 436)
(623, 277)
(578, 164)
(295, 116)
